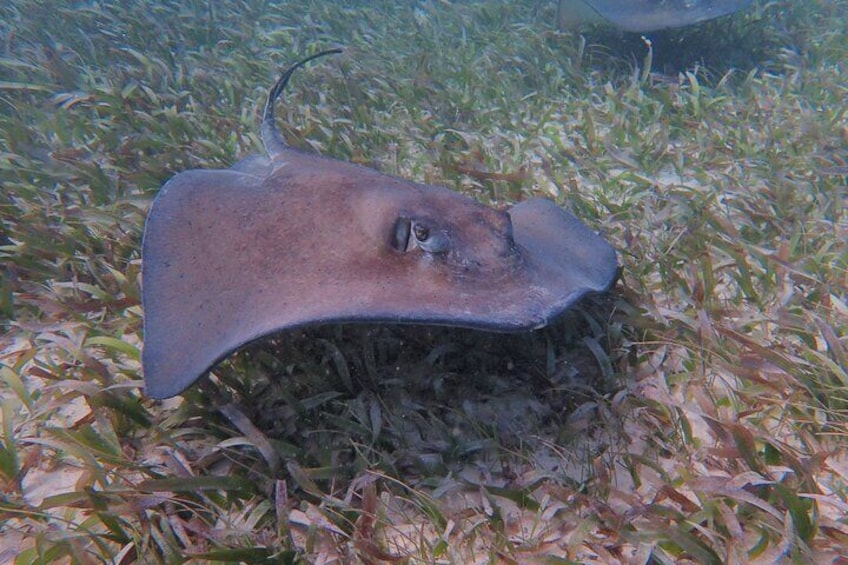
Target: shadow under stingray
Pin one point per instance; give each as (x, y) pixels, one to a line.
(419, 401)
(739, 42)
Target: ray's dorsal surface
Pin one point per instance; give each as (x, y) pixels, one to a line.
(291, 238)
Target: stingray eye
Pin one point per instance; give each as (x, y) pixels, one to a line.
(429, 239)
(421, 233)
(416, 234)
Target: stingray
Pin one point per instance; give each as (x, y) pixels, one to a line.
(645, 15)
(291, 238)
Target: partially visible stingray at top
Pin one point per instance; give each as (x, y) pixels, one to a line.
(644, 15)
(290, 239)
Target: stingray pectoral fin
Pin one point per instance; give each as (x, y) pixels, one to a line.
(190, 281)
(233, 255)
(566, 256)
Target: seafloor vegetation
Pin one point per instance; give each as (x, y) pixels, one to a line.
(697, 415)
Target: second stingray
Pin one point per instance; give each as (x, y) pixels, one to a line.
(291, 238)
(645, 15)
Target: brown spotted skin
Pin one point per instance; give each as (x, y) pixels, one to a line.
(233, 255)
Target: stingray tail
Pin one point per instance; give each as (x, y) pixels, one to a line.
(271, 138)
